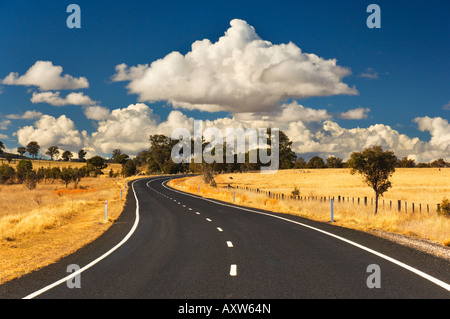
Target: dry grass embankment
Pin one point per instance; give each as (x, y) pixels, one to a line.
(41, 226)
(419, 186)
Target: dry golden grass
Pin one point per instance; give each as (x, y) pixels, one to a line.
(418, 186)
(39, 227)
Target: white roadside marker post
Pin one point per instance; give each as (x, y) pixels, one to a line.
(106, 209)
(331, 201)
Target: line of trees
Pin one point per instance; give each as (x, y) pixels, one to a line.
(33, 148)
(25, 174)
(157, 159)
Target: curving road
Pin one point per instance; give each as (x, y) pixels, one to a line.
(172, 245)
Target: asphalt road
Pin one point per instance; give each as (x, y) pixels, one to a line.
(171, 245)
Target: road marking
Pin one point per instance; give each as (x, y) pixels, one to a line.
(374, 252)
(219, 229)
(208, 219)
(190, 208)
(233, 270)
(229, 244)
(197, 213)
(124, 240)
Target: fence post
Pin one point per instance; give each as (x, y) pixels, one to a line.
(365, 200)
(399, 205)
(234, 197)
(438, 208)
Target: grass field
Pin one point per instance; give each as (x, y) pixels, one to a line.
(39, 227)
(424, 186)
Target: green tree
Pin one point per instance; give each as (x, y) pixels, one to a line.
(31, 179)
(67, 156)
(439, 163)
(160, 152)
(7, 174)
(67, 175)
(316, 162)
(53, 173)
(78, 173)
(21, 150)
(406, 162)
(116, 152)
(376, 166)
(334, 162)
(9, 157)
(2, 147)
(97, 163)
(52, 151)
(23, 168)
(129, 168)
(33, 149)
(121, 159)
(300, 163)
(287, 155)
(81, 154)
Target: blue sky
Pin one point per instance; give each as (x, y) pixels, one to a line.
(400, 71)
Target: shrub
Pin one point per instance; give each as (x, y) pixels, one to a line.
(31, 179)
(445, 207)
(23, 168)
(295, 192)
(7, 173)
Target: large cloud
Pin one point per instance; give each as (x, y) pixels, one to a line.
(238, 73)
(48, 131)
(439, 129)
(127, 129)
(312, 131)
(46, 76)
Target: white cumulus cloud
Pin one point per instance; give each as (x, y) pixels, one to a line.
(127, 129)
(54, 98)
(28, 115)
(355, 114)
(439, 129)
(46, 76)
(96, 112)
(48, 131)
(238, 73)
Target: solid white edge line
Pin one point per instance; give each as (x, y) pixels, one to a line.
(392, 260)
(136, 222)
